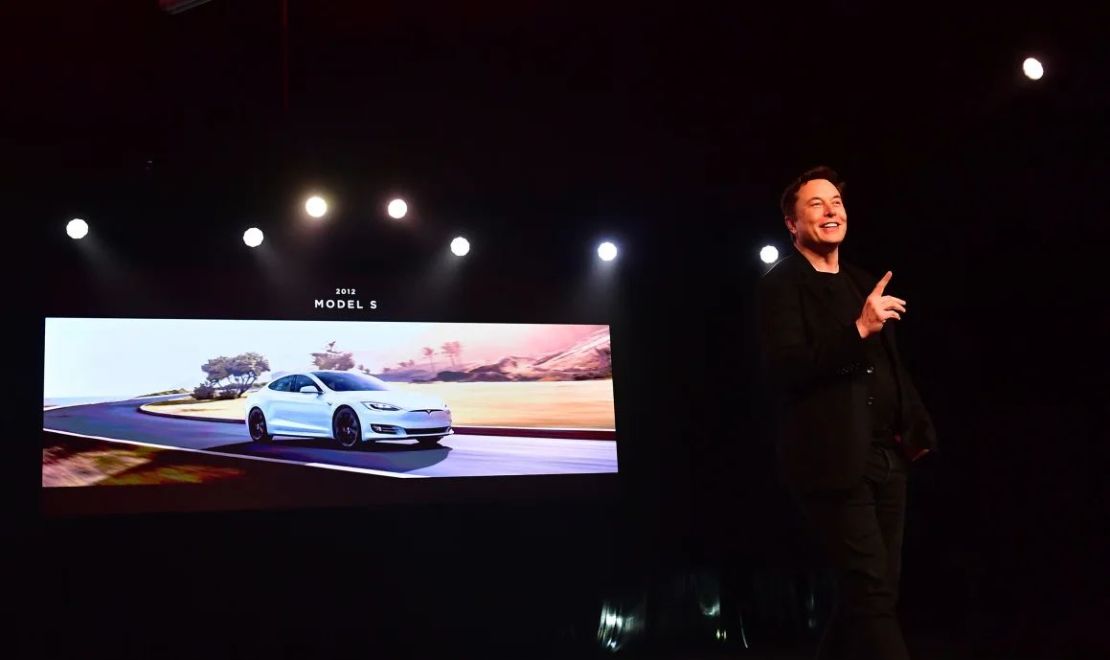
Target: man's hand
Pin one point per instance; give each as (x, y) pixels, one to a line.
(878, 309)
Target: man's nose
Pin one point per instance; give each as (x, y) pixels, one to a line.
(829, 211)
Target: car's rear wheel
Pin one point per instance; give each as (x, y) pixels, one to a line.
(430, 441)
(346, 428)
(256, 422)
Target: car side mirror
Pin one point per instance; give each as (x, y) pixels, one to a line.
(309, 389)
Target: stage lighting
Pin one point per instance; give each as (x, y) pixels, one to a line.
(769, 254)
(253, 237)
(1033, 68)
(460, 246)
(397, 209)
(607, 251)
(77, 228)
(316, 206)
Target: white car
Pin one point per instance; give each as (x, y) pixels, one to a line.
(349, 408)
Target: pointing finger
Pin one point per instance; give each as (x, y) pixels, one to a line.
(882, 283)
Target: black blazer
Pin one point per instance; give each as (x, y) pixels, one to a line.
(815, 358)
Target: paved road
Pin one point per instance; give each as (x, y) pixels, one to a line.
(458, 456)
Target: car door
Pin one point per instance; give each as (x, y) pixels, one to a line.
(278, 408)
(308, 412)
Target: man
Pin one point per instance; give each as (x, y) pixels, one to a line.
(852, 419)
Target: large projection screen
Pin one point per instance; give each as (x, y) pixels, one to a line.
(314, 411)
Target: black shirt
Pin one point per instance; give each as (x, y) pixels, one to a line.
(878, 369)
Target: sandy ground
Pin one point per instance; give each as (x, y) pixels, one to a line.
(564, 404)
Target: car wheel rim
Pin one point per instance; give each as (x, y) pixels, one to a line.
(258, 425)
(347, 430)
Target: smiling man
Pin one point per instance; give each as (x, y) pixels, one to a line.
(852, 420)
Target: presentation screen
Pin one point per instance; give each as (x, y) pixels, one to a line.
(196, 413)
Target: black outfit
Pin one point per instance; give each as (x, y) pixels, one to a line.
(882, 386)
(850, 416)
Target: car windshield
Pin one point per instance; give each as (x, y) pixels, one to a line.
(344, 382)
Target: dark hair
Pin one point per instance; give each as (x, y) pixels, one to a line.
(790, 195)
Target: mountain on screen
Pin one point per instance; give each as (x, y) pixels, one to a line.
(587, 359)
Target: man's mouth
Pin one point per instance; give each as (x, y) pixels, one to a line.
(830, 225)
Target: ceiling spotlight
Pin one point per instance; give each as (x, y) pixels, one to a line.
(316, 206)
(460, 246)
(1033, 69)
(607, 251)
(397, 209)
(253, 237)
(769, 254)
(77, 228)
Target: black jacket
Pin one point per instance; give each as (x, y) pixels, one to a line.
(816, 360)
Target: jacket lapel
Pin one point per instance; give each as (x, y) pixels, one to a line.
(865, 283)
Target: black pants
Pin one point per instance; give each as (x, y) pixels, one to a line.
(861, 530)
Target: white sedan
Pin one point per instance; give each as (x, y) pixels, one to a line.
(349, 408)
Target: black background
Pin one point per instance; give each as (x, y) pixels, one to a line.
(537, 130)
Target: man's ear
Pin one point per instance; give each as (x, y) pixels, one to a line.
(791, 225)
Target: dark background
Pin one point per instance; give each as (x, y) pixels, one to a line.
(537, 130)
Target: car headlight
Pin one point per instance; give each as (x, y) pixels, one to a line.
(374, 405)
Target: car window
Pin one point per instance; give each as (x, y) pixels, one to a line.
(282, 384)
(304, 381)
(348, 382)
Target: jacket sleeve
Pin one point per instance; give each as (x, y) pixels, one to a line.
(919, 425)
(794, 358)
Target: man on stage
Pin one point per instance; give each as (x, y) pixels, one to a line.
(852, 420)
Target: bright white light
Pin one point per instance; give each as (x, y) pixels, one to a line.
(253, 237)
(460, 246)
(1032, 68)
(77, 228)
(316, 206)
(769, 254)
(607, 251)
(397, 209)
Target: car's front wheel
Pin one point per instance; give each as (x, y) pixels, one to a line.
(346, 428)
(256, 422)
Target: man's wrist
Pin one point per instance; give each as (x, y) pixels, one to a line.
(861, 330)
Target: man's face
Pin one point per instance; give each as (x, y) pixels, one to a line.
(820, 220)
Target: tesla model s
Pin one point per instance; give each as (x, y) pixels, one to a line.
(348, 408)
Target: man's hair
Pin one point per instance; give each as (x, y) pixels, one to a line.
(790, 195)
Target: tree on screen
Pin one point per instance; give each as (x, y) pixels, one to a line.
(231, 376)
(428, 353)
(331, 358)
(452, 350)
(244, 369)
